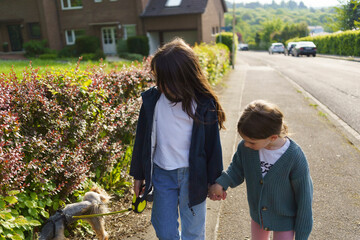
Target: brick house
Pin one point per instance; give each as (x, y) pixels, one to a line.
(193, 20)
(61, 21)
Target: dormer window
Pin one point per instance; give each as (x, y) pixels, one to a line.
(172, 3)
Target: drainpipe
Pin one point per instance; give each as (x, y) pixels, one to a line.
(58, 22)
(233, 43)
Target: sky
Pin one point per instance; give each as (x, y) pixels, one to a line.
(308, 3)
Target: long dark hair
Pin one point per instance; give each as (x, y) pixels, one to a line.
(179, 76)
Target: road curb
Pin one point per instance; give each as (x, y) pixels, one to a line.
(347, 58)
(351, 135)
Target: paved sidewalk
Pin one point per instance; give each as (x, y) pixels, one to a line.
(12, 56)
(332, 159)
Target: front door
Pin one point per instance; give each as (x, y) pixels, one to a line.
(108, 40)
(16, 40)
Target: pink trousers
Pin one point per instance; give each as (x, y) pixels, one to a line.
(258, 233)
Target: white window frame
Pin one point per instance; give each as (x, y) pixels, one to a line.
(125, 30)
(173, 3)
(69, 4)
(68, 42)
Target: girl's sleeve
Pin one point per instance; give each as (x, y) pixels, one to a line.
(234, 175)
(212, 144)
(136, 168)
(303, 189)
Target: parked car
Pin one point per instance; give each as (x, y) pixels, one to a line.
(289, 47)
(276, 48)
(243, 47)
(304, 48)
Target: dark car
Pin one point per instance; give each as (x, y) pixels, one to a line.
(289, 47)
(243, 47)
(304, 48)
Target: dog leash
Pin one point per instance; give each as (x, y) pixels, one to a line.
(138, 205)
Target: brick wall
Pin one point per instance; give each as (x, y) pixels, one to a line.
(211, 19)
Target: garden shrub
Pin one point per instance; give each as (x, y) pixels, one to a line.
(61, 128)
(48, 56)
(87, 44)
(227, 39)
(214, 60)
(35, 47)
(138, 44)
(99, 54)
(12, 224)
(121, 46)
(131, 56)
(93, 56)
(68, 51)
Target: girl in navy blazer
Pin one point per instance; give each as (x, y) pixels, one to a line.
(177, 150)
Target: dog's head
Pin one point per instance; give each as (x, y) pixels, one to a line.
(97, 195)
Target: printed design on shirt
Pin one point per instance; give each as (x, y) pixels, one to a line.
(265, 166)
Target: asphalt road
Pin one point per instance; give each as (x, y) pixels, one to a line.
(334, 82)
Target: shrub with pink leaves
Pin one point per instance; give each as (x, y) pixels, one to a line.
(13, 169)
(64, 127)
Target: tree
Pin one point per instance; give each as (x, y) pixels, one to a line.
(302, 5)
(269, 28)
(291, 31)
(347, 15)
(292, 4)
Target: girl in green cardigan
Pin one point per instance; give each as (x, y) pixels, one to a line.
(279, 186)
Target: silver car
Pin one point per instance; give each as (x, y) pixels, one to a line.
(276, 48)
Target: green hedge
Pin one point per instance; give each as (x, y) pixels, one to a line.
(139, 45)
(214, 60)
(345, 43)
(131, 56)
(35, 47)
(227, 40)
(87, 44)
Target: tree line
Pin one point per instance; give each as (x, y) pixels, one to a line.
(261, 24)
(290, 5)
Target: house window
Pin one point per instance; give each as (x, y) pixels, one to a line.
(129, 31)
(71, 4)
(97, 1)
(34, 30)
(172, 3)
(71, 36)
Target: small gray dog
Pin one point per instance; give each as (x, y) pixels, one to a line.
(94, 202)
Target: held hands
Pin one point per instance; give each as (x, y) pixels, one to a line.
(216, 192)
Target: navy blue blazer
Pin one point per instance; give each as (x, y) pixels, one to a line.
(205, 157)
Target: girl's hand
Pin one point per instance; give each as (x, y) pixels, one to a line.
(138, 189)
(216, 192)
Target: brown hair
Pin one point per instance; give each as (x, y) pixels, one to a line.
(179, 76)
(261, 119)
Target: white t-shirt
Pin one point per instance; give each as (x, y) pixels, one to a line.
(173, 134)
(269, 157)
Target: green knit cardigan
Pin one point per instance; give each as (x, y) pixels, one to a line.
(283, 198)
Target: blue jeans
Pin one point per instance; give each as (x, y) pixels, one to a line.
(171, 196)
